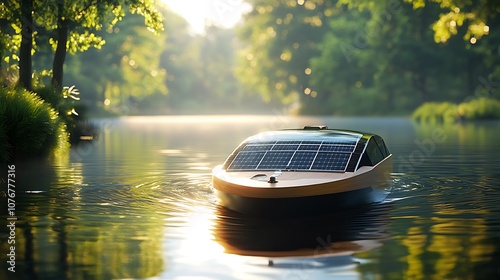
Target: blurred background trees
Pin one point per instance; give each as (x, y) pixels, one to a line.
(345, 57)
(370, 57)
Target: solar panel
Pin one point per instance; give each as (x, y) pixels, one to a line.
(309, 147)
(331, 161)
(337, 148)
(295, 155)
(302, 160)
(275, 160)
(257, 147)
(246, 160)
(285, 147)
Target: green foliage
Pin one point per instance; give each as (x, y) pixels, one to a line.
(66, 26)
(471, 16)
(10, 38)
(29, 126)
(479, 108)
(436, 112)
(363, 57)
(182, 74)
(281, 37)
(87, 18)
(369, 63)
(63, 102)
(126, 68)
(445, 112)
(346, 57)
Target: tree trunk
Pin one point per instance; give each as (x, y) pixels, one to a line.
(26, 43)
(60, 54)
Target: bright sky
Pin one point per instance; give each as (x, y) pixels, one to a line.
(225, 13)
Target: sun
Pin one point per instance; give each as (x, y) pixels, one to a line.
(224, 13)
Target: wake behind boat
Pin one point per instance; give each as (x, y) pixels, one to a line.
(304, 171)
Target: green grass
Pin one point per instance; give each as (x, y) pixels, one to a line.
(446, 112)
(29, 127)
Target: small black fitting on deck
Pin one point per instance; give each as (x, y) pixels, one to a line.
(272, 180)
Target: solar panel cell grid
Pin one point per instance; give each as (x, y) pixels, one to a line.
(343, 141)
(331, 161)
(289, 142)
(246, 160)
(295, 155)
(289, 147)
(309, 147)
(275, 160)
(302, 160)
(337, 148)
(257, 147)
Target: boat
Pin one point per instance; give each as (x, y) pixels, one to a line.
(305, 171)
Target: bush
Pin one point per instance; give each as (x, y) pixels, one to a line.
(475, 109)
(62, 101)
(74, 116)
(435, 112)
(29, 126)
(480, 108)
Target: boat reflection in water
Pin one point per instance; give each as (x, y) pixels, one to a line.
(303, 242)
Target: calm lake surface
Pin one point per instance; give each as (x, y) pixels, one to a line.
(137, 204)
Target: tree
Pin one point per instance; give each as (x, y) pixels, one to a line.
(80, 19)
(343, 71)
(471, 15)
(387, 61)
(75, 23)
(26, 43)
(363, 57)
(134, 54)
(10, 39)
(281, 37)
(126, 68)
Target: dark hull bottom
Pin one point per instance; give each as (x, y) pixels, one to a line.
(298, 206)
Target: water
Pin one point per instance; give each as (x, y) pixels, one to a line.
(137, 203)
